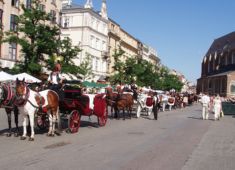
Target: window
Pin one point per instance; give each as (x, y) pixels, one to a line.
(92, 41)
(13, 23)
(92, 22)
(103, 46)
(42, 7)
(28, 4)
(97, 43)
(112, 26)
(96, 64)
(66, 22)
(1, 16)
(223, 85)
(222, 60)
(15, 3)
(233, 58)
(12, 51)
(53, 2)
(232, 88)
(53, 16)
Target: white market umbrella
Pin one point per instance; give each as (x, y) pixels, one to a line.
(5, 76)
(28, 78)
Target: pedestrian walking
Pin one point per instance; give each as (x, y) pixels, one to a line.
(205, 100)
(217, 107)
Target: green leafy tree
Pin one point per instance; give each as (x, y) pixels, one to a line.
(172, 82)
(37, 37)
(118, 67)
(40, 42)
(66, 55)
(85, 68)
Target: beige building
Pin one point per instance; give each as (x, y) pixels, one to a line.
(119, 38)
(150, 55)
(9, 10)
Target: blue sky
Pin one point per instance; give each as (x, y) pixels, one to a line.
(180, 30)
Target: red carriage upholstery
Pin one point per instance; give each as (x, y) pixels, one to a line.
(84, 102)
(150, 101)
(99, 104)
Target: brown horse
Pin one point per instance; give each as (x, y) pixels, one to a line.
(30, 102)
(124, 101)
(119, 101)
(110, 99)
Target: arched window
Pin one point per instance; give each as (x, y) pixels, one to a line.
(233, 58)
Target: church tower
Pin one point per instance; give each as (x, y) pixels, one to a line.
(88, 4)
(103, 11)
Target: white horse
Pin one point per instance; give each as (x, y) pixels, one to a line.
(145, 101)
(30, 102)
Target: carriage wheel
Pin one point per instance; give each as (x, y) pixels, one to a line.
(103, 119)
(74, 121)
(42, 121)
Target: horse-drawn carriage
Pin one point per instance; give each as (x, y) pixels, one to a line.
(74, 104)
(47, 108)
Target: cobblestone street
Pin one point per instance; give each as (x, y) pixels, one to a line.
(178, 140)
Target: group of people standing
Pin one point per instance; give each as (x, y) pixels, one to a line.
(211, 104)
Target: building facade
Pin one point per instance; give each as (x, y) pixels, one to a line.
(183, 80)
(120, 39)
(88, 29)
(218, 67)
(9, 11)
(150, 55)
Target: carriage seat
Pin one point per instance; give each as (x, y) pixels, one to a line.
(150, 101)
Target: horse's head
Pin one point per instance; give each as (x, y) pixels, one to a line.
(109, 92)
(21, 90)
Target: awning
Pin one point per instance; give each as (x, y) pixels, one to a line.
(28, 78)
(5, 76)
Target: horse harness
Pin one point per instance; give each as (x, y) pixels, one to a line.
(7, 95)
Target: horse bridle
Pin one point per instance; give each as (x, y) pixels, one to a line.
(21, 99)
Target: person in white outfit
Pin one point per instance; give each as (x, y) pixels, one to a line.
(217, 107)
(164, 101)
(205, 100)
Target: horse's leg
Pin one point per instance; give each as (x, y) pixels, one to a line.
(31, 120)
(58, 122)
(130, 109)
(53, 124)
(23, 137)
(112, 116)
(116, 112)
(138, 111)
(9, 122)
(149, 111)
(16, 114)
(50, 125)
(123, 113)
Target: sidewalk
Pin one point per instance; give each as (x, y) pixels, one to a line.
(216, 151)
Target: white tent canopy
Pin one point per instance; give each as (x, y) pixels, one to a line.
(5, 76)
(28, 78)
